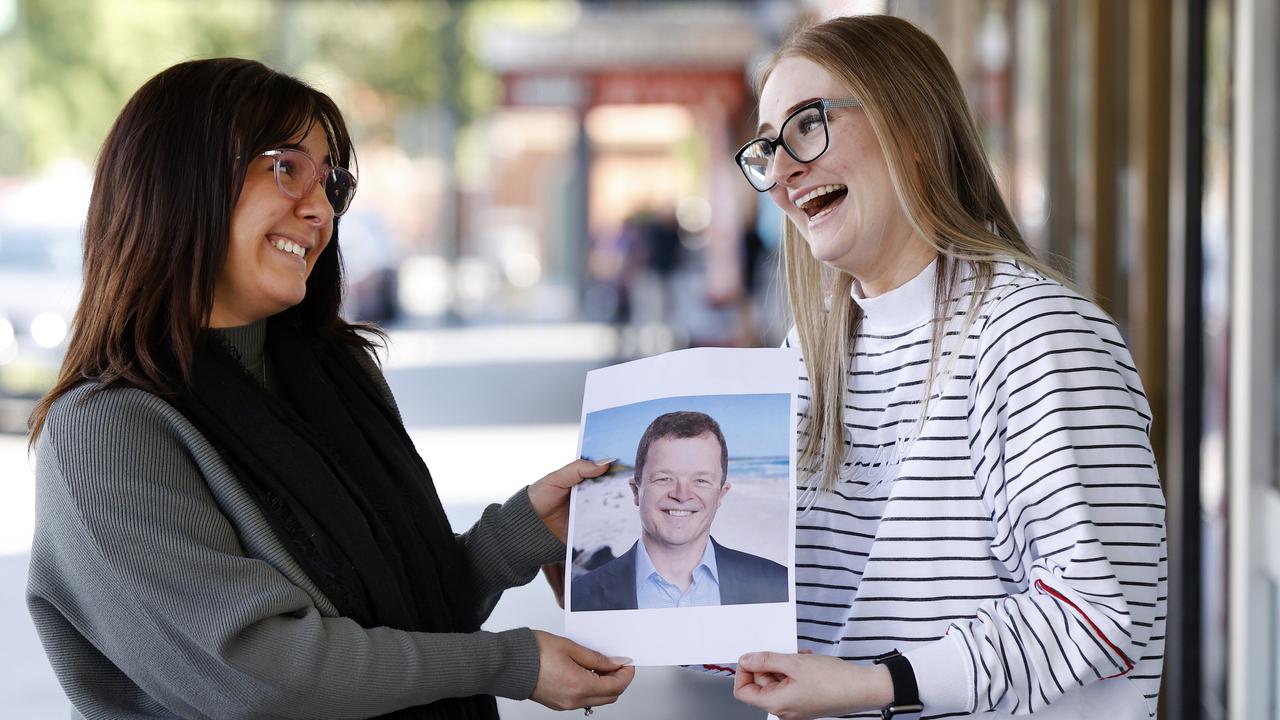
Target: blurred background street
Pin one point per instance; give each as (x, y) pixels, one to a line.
(547, 186)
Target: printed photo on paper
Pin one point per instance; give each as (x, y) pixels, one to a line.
(682, 552)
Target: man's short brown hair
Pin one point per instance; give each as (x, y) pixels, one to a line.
(682, 424)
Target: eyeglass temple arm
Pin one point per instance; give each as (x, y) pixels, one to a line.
(849, 102)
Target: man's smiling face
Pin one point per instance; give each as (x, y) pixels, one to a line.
(681, 489)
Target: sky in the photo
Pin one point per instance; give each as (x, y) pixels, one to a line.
(753, 425)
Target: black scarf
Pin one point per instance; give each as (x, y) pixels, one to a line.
(333, 471)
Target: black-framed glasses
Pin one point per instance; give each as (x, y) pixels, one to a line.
(803, 135)
(297, 172)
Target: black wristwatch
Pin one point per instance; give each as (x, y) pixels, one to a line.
(906, 696)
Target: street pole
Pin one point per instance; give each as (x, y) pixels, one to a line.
(450, 206)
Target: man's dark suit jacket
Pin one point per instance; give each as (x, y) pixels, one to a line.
(744, 578)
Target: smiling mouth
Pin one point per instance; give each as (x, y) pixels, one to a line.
(820, 199)
(288, 246)
(679, 513)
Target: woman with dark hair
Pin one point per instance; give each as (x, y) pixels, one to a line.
(231, 519)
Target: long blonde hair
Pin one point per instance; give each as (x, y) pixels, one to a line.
(943, 181)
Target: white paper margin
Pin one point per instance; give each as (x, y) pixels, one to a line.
(696, 635)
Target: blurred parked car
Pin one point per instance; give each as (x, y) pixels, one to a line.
(39, 289)
(370, 260)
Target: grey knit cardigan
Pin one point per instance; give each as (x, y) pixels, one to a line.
(159, 590)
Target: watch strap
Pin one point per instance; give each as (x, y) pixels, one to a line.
(906, 694)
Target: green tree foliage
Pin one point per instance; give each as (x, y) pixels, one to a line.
(70, 65)
(78, 62)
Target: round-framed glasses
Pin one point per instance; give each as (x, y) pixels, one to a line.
(297, 172)
(803, 135)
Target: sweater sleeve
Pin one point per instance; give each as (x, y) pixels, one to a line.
(1058, 431)
(506, 548)
(139, 577)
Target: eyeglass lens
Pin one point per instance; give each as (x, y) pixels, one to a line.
(804, 135)
(296, 171)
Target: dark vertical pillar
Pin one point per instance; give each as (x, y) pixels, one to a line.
(1183, 680)
(579, 220)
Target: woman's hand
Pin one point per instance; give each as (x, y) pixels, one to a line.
(571, 676)
(798, 687)
(550, 495)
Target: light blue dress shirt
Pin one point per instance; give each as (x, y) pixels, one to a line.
(653, 590)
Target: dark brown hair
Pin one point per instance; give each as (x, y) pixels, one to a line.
(167, 179)
(682, 424)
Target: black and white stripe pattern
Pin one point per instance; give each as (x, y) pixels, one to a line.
(1012, 545)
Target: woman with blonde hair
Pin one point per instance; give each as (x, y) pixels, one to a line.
(981, 526)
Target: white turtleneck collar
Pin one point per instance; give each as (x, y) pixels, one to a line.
(907, 306)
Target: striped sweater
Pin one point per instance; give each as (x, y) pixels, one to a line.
(1012, 545)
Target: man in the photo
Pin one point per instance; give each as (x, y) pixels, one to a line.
(681, 477)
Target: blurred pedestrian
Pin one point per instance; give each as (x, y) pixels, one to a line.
(753, 254)
(612, 265)
(982, 526)
(231, 518)
(660, 248)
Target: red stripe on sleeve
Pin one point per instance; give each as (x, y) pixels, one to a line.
(1128, 663)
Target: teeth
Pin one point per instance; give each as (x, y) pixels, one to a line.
(289, 246)
(679, 513)
(816, 193)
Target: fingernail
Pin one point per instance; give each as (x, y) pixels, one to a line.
(621, 660)
(606, 461)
